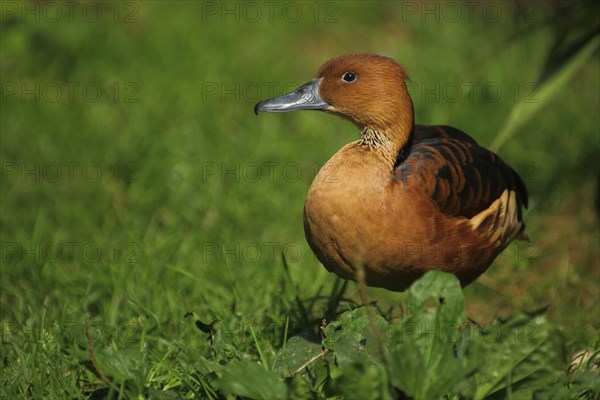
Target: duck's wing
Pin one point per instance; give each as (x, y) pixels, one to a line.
(464, 179)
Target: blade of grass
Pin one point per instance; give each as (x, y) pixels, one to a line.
(285, 339)
(522, 112)
(263, 359)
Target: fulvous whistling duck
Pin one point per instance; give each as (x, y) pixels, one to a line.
(405, 198)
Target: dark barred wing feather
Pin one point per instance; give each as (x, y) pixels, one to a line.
(461, 177)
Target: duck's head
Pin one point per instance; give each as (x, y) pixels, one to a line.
(369, 90)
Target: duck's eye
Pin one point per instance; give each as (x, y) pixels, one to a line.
(349, 77)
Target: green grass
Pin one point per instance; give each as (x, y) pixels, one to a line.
(179, 221)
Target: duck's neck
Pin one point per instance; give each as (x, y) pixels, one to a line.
(393, 142)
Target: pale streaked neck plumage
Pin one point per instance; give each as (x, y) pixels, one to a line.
(394, 142)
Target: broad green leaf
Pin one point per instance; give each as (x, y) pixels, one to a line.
(358, 381)
(320, 372)
(298, 351)
(422, 356)
(162, 394)
(299, 388)
(352, 338)
(122, 365)
(251, 380)
(518, 356)
(407, 366)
